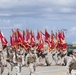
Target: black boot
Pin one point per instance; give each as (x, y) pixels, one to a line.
(8, 74)
(30, 73)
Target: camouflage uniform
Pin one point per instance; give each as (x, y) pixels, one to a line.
(10, 62)
(31, 61)
(22, 53)
(71, 64)
(4, 56)
(1, 65)
(19, 63)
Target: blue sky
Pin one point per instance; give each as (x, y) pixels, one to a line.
(39, 14)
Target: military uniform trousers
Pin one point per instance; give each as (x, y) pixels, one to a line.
(18, 68)
(32, 68)
(23, 62)
(73, 72)
(1, 68)
(10, 68)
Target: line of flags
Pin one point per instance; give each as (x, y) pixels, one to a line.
(27, 39)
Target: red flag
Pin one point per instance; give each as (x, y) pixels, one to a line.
(24, 38)
(39, 35)
(28, 37)
(32, 39)
(19, 37)
(63, 42)
(57, 41)
(3, 39)
(13, 39)
(41, 46)
(47, 36)
(51, 43)
(23, 35)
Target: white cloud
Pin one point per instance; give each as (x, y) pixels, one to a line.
(10, 23)
(7, 3)
(53, 9)
(6, 21)
(5, 28)
(72, 32)
(67, 10)
(17, 26)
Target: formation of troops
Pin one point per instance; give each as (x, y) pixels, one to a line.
(12, 58)
(25, 51)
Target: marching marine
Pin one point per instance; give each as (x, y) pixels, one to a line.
(19, 62)
(10, 62)
(1, 65)
(31, 61)
(46, 55)
(71, 64)
(4, 51)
